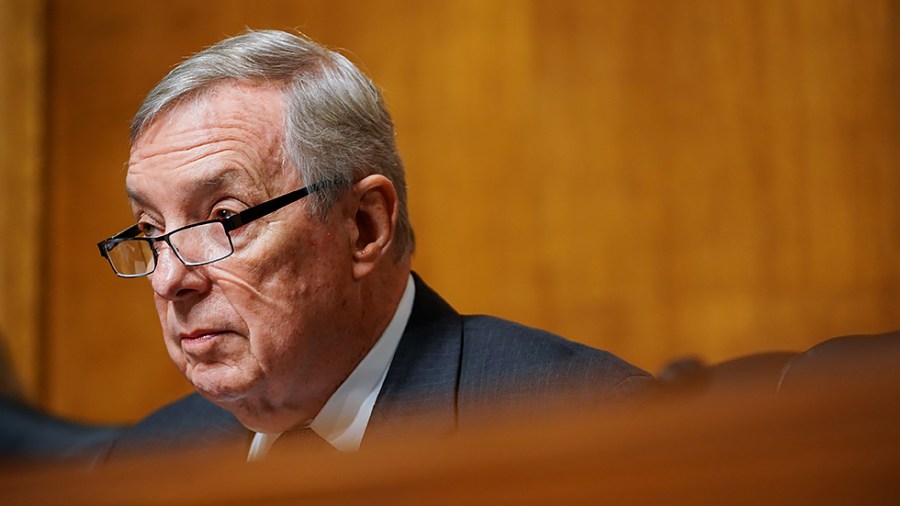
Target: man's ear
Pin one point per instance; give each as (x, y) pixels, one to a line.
(374, 223)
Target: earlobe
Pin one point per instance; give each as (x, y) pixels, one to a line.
(374, 223)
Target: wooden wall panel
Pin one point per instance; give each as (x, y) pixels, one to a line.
(22, 41)
(733, 166)
(655, 178)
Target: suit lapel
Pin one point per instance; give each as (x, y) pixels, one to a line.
(422, 384)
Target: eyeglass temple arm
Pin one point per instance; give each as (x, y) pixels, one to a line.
(256, 212)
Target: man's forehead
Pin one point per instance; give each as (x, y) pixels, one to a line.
(199, 181)
(257, 110)
(229, 135)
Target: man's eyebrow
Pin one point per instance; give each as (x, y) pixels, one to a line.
(135, 197)
(222, 178)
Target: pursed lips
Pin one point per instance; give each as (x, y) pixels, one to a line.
(199, 342)
(200, 334)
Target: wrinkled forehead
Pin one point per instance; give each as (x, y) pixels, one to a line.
(255, 108)
(231, 127)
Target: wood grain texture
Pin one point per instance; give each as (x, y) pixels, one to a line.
(654, 178)
(22, 43)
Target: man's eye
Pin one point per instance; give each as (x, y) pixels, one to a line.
(222, 214)
(149, 230)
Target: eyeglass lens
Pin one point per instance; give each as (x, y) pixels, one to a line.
(201, 243)
(131, 257)
(198, 244)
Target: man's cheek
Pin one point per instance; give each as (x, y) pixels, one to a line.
(270, 287)
(176, 354)
(241, 290)
(162, 309)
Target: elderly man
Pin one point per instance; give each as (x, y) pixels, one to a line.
(271, 221)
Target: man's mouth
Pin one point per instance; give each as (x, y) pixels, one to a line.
(199, 342)
(200, 334)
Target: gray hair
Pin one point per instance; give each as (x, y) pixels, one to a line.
(337, 128)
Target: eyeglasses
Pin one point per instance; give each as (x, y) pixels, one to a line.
(133, 256)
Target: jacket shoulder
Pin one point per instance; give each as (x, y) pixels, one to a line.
(188, 422)
(520, 363)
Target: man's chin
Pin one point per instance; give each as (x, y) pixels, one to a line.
(221, 389)
(266, 422)
(253, 413)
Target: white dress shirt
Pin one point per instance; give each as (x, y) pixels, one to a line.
(344, 417)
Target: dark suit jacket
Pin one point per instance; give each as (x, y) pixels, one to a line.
(447, 367)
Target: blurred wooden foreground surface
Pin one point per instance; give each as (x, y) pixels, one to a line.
(835, 445)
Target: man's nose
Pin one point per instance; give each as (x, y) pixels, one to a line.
(172, 280)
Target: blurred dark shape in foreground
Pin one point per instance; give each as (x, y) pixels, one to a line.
(30, 435)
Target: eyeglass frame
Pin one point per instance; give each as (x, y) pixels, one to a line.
(230, 223)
